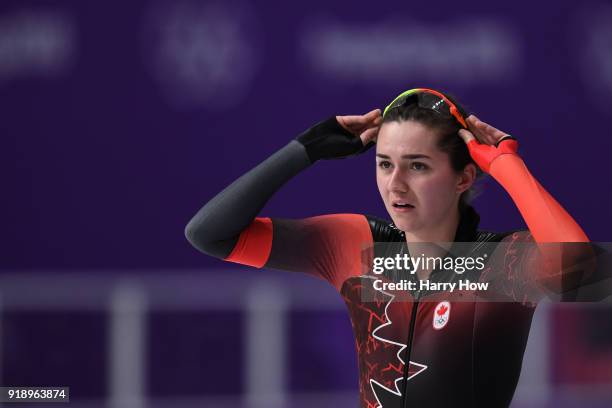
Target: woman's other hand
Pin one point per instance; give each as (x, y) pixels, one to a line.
(486, 143)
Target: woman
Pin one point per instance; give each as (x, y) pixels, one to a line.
(429, 152)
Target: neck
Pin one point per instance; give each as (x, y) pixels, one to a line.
(445, 232)
(442, 237)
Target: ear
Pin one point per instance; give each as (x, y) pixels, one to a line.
(466, 178)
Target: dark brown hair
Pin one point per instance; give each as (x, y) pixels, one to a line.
(449, 140)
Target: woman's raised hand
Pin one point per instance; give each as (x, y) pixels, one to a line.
(365, 126)
(486, 143)
(341, 136)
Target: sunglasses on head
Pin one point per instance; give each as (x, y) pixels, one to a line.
(429, 99)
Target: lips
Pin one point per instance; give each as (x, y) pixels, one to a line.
(401, 204)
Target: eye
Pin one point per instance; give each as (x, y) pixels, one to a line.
(418, 166)
(384, 164)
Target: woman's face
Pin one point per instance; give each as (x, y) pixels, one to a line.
(410, 169)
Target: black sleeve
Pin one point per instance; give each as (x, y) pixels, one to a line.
(215, 228)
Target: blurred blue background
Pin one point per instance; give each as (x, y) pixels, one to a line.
(120, 119)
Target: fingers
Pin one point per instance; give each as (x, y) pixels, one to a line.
(372, 125)
(475, 127)
(378, 119)
(484, 132)
(353, 121)
(369, 135)
(373, 114)
(466, 135)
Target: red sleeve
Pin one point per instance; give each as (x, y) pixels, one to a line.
(329, 247)
(545, 217)
(555, 252)
(254, 244)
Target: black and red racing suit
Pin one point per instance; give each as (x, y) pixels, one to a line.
(471, 359)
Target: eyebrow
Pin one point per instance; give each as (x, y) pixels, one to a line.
(405, 156)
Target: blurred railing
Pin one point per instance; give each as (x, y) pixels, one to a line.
(268, 310)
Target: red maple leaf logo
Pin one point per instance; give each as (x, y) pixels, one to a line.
(441, 310)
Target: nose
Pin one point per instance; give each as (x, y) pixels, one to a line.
(397, 182)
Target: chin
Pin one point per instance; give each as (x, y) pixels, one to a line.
(403, 224)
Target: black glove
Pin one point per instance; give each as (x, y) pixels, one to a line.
(329, 140)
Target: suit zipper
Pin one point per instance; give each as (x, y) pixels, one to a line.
(415, 308)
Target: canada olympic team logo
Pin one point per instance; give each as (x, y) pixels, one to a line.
(441, 315)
